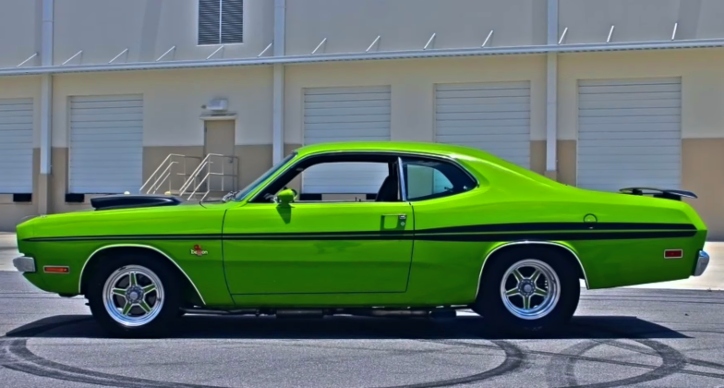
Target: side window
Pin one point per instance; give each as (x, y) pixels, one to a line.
(428, 179)
(343, 181)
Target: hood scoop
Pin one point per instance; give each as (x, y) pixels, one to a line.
(126, 201)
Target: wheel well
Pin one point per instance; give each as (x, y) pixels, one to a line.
(190, 294)
(570, 257)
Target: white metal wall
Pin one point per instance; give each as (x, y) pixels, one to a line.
(344, 114)
(16, 145)
(106, 144)
(629, 133)
(493, 116)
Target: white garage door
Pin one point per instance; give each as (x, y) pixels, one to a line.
(106, 144)
(16, 146)
(345, 114)
(494, 117)
(629, 133)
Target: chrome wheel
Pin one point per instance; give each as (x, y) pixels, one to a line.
(530, 289)
(133, 295)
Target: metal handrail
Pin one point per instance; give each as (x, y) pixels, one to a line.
(194, 174)
(163, 173)
(207, 165)
(157, 169)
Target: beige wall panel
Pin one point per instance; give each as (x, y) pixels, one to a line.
(702, 84)
(148, 28)
(538, 156)
(352, 25)
(702, 174)
(254, 160)
(589, 21)
(566, 162)
(173, 100)
(19, 32)
(413, 83)
(11, 213)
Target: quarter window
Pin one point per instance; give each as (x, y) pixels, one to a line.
(428, 179)
(221, 22)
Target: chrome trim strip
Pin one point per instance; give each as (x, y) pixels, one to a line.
(401, 180)
(702, 261)
(24, 264)
(82, 270)
(527, 242)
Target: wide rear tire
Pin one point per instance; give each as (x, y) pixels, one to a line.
(133, 295)
(528, 290)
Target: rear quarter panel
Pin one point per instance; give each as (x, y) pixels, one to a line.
(507, 208)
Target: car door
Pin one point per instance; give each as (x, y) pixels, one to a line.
(318, 248)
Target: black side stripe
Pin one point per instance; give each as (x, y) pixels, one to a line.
(489, 232)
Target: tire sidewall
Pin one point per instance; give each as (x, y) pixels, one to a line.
(171, 302)
(490, 304)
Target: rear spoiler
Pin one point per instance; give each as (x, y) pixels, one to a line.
(658, 193)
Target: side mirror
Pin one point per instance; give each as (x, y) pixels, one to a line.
(286, 196)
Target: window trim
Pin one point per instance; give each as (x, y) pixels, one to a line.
(291, 164)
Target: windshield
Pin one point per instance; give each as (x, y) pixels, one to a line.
(251, 186)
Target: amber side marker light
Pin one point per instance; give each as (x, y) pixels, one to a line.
(55, 269)
(673, 253)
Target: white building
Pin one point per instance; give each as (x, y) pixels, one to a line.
(95, 94)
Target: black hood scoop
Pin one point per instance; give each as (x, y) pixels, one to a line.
(126, 201)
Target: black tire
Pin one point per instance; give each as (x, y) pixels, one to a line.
(159, 325)
(500, 317)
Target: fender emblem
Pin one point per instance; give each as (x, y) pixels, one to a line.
(198, 251)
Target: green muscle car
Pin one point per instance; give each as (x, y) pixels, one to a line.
(449, 228)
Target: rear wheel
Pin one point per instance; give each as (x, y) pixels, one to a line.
(134, 296)
(528, 290)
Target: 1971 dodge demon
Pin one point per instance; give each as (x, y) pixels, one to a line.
(450, 228)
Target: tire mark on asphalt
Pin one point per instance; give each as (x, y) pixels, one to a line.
(514, 359)
(563, 364)
(16, 356)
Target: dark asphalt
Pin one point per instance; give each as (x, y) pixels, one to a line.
(619, 338)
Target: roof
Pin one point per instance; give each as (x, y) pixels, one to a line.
(503, 168)
(403, 146)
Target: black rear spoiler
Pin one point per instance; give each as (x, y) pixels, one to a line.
(658, 193)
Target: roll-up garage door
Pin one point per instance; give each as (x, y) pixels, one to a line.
(16, 146)
(493, 116)
(343, 114)
(629, 133)
(106, 144)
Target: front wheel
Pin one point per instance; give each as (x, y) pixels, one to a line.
(134, 297)
(528, 290)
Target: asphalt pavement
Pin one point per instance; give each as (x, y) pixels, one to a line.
(648, 337)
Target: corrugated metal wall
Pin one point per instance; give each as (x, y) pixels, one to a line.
(106, 144)
(629, 133)
(494, 117)
(16, 145)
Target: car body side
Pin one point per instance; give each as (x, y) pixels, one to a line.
(615, 239)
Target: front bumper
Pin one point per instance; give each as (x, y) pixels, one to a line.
(701, 263)
(24, 264)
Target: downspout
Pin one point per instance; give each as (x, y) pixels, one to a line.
(552, 93)
(46, 105)
(278, 82)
